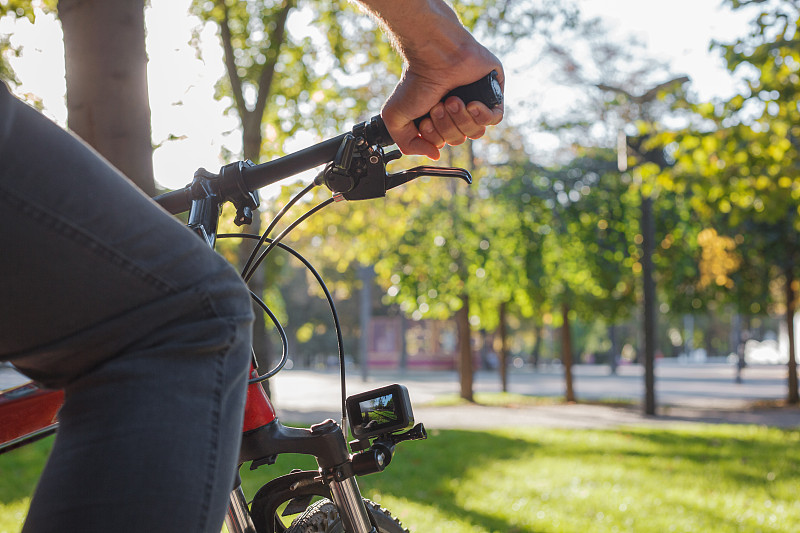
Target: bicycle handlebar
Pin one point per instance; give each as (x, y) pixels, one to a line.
(258, 176)
(486, 90)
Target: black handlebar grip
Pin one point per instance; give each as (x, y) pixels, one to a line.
(486, 90)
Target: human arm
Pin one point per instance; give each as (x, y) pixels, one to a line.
(440, 55)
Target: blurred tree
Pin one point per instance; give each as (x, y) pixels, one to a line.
(297, 65)
(452, 259)
(290, 81)
(744, 153)
(107, 104)
(334, 70)
(475, 269)
(586, 228)
(624, 107)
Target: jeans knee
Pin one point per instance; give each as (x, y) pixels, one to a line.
(230, 297)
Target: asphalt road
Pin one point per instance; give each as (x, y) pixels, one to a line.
(698, 385)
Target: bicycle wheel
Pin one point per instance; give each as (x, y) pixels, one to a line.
(323, 517)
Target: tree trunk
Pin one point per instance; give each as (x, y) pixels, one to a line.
(257, 283)
(740, 337)
(465, 370)
(367, 275)
(792, 397)
(502, 346)
(537, 347)
(403, 345)
(612, 362)
(649, 291)
(566, 353)
(251, 142)
(106, 73)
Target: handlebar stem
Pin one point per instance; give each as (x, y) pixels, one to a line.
(206, 206)
(208, 191)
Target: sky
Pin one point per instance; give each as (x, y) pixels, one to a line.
(680, 32)
(181, 84)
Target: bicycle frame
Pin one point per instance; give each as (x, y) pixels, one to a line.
(264, 437)
(356, 170)
(29, 412)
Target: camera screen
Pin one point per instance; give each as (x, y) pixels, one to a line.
(378, 412)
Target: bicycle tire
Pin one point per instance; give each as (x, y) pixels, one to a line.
(323, 517)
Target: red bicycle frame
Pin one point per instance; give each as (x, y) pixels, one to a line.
(28, 413)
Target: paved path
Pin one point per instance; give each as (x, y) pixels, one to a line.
(685, 394)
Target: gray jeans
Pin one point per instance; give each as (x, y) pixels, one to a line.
(145, 328)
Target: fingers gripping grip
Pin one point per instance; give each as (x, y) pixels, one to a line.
(486, 90)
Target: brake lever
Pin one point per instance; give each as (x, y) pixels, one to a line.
(404, 176)
(358, 172)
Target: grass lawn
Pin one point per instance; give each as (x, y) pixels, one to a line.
(700, 478)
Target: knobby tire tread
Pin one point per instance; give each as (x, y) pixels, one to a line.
(319, 516)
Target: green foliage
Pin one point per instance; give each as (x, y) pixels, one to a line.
(7, 73)
(17, 9)
(292, 65)
(455, 240)
(592, 257)
(617, 122)
(428, 284)
(575, 226)
(530, 235)
(26, 8)
(339, 68)
(288, 69)
(738, 162)
(430, 241)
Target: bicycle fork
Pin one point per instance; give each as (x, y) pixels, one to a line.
(347, 498)
(345, 495)
(238, 518)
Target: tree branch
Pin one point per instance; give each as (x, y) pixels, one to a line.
(230, 62)
(267, 73)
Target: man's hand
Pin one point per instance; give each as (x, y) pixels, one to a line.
(440, 55)
(451, 122)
